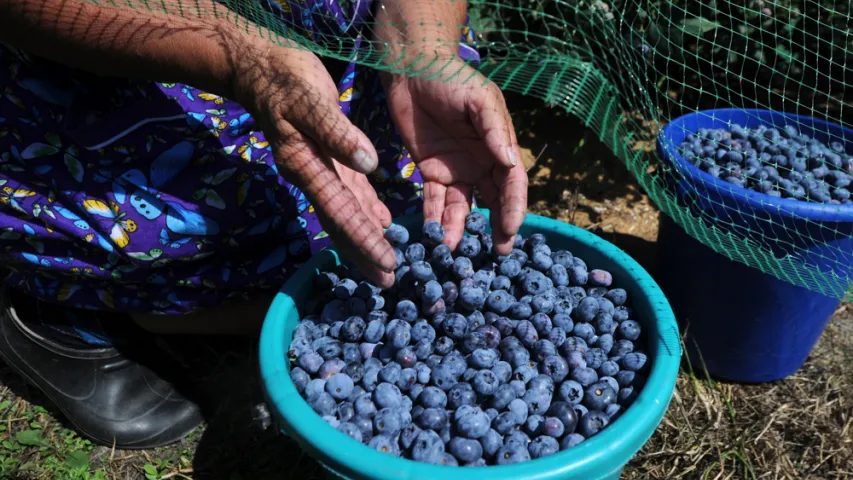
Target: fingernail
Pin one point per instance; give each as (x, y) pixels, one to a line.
(364, 162)
(510, 155)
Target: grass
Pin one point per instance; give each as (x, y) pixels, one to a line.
(798, 428)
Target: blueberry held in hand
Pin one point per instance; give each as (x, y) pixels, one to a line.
(475, 359)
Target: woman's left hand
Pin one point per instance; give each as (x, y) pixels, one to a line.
(461, 136)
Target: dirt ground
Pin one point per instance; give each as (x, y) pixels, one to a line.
(799, 428)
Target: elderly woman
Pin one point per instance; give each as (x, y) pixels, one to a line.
(170, 171)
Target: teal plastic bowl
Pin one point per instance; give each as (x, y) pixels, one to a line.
(601, 457)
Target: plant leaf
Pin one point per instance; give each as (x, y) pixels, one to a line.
(77, 460)
(31, 438)
(74, 167)
(38, 150)
(698, 25)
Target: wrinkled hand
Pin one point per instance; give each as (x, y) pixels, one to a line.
(460, 134)
(318, 149)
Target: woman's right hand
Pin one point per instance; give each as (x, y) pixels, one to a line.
(317, 148)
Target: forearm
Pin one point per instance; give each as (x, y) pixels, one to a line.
(134, 43)
(420, 29)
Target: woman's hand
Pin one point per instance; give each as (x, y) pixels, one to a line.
(453, 120)
(318, 149)
(461, 136)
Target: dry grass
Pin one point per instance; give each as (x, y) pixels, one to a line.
(799, 428)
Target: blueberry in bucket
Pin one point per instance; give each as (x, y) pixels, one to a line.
(471, 359)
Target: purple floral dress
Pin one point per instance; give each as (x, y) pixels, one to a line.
(151, 197)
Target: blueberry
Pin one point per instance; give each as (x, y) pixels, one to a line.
(422, 331)
(483, 358)
(502, 283)
(542, 349)
(486, 382)
(345, 288)
(384, 444)
(465, 450)
(469, 246)
(578, 275)
(432, 292)
(524, 372)
(491, 442)
(444, 459)
(397, 235)
(300, 379)
(592, 423)
(427, 444)
(433, 231)
(628, 330)
(537, 401)
(634, 361)
(510, 454)
(472, 341)
(504, 423)
(543, 446)
(310, 362)
(531, 425)
(443, 345)
(622, 348)
(471, 422)
(353, 329)
(594, 357)
(387, 395)
(339, 386)
(557, 336)
(472, 298)
(519, 408)
(491, 335)
(499, 301)
(350, 430)
(461, 394)
(449, 292)
(463, 268)
(475, 223)
(432, 419)
(563, 321)
(315, 387)
(323, 404)
(586, 310)
(570, 441)
(626, 396)
(443, 377)
(455, 326)
(415, 252)
(555, 367)
(552, 427)
(584, 375)
(510, 268)
(585, 331)
(527, 334)
(610, 382)
(433, 397)
(570, 392)
(598, 397)
(521, 311)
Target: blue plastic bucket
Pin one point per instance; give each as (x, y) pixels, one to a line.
(745, 325)
(600, 458)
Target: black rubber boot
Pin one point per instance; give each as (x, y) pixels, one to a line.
(108, 397)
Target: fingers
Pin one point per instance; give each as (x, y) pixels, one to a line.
(434, 196)
(511, 207)
(490, 117)
(316, 113)
(338, 209)
(457, 206)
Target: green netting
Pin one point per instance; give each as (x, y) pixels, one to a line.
(627, 68)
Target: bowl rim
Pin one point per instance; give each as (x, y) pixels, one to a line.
(668, 152)
(591, 459)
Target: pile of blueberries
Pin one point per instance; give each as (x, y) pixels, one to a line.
(778, 162)
(471, 358)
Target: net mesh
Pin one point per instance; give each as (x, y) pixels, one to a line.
(626, 69)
